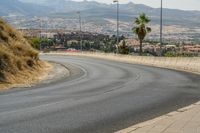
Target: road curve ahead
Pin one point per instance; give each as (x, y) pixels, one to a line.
(103, 97)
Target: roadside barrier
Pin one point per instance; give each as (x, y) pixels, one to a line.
(189, 64)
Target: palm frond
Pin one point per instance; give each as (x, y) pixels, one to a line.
(142, 16)
(137, 21)
(144, 19)
(148, 29)
(136, 30)
(147, 20)
(141, 30)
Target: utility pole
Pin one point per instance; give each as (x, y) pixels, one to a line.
(161, 27)
(117, 1)
(40, 21)
(80, 24)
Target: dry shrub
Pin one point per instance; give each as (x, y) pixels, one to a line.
(19, 65)
(17, 57)
(3, 36)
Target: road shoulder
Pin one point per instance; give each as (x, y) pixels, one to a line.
(183, 120)
(53, 72)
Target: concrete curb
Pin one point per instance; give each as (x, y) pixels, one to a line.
(153, 121)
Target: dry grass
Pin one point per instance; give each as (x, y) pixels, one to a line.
(188, 64)
(19, 62)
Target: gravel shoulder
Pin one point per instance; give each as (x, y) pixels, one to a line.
(58, 72)
(54, 72)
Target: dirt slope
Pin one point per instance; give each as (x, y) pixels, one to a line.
(19, 62)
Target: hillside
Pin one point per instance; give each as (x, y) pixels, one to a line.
(16, 7)
(100, 17)
(92, 10)
(19, 62)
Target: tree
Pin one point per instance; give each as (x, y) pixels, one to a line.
(141, 30)
(35, 43)
(123, 49)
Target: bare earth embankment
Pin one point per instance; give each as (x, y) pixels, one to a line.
(19, 62)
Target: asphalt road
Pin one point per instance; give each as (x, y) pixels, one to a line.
(100, 97)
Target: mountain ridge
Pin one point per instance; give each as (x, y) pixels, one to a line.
(17, 7)
(97, 15)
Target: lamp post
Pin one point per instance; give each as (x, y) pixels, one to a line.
(117, 1)
(80, 24)
(161, 27)
(40, 34)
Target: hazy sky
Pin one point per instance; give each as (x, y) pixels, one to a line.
(177, 4)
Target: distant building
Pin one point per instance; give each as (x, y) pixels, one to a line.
(68, 36)
(191, 48)
(46, 35)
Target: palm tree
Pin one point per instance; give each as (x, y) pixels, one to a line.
(141, 30)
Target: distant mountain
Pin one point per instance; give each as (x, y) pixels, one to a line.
(16, 7)
(68, 5)
(33, 1)
(94, 11)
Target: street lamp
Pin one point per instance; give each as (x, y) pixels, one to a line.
(161, 27)
(40, 34)
(79, 15)
(117, 1)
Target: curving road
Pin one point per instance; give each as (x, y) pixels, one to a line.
(100, 97)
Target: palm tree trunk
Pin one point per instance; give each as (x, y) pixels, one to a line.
(140, 47)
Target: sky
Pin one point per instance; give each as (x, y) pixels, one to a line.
(174, 4)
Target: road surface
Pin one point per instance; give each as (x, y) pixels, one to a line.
(100, 97)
